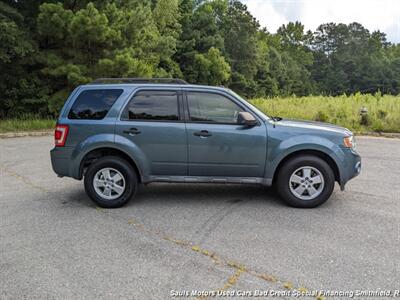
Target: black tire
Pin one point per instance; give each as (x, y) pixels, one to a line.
(129, 176)
(286, 171)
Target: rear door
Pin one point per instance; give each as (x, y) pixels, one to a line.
(217, 144)
(152, 121)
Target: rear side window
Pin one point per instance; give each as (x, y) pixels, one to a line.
(153, 105)
(93, 104)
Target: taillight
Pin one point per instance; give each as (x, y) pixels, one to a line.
(60, 135)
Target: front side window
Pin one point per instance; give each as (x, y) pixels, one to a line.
(213, 108)
(93, 104)
(153, 105)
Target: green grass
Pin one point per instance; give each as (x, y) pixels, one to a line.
(383, 111)
(14, 125)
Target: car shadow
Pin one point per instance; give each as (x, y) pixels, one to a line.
(186, 194)
(77, 197)
(178, 193)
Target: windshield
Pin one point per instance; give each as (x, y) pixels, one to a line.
(259, 112)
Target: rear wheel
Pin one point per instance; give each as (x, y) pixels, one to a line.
(110, 182)
(305, 181)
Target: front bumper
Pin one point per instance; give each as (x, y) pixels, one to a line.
(351, 168)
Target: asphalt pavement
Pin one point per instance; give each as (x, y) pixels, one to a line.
(174, 239)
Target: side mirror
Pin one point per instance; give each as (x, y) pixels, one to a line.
(247, 119)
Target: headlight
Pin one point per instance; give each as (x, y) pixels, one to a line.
(349, 142)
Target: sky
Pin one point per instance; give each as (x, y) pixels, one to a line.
(383, 15)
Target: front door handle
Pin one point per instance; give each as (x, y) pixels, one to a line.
(132, 131)
(203, 133)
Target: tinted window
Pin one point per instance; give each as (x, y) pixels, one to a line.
(208, 107)
(153, 105)
(93, 104)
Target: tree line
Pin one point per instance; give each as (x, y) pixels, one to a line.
(48, 47)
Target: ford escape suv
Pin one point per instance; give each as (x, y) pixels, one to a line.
(118, 133)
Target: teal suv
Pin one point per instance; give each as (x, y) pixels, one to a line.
(118, 133)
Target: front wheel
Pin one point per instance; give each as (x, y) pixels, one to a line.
(110, 182)
(305, 181)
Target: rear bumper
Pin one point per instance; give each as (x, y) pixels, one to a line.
(61, 160)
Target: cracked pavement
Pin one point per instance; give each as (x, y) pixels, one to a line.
(56, 244)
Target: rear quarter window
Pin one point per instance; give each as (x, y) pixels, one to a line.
(94, 104)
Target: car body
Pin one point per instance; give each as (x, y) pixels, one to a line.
(198, 141)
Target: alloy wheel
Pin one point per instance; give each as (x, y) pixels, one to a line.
(306, 183)
(109, 183)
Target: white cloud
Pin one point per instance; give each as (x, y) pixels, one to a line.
(383, 15)
(265, 11)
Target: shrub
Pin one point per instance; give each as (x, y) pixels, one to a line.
(321, 116)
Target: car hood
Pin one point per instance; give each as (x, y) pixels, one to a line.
(314, 126)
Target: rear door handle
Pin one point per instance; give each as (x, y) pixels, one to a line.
(203, 133)
(132, 131)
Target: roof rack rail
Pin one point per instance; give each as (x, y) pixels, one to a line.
(139, 80)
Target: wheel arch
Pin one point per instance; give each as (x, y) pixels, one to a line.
(324, 156)
(97, 153)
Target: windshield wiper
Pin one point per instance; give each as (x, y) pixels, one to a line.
(276, 119)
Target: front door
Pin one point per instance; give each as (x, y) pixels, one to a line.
(217, 144)
(152, 121)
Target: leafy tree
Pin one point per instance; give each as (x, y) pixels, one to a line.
(120, 39)
(348, 58)
(48, 47)
(20, 90)
(267, 58)
(211, 68)
(166, 15)
(240, 36)
(200, 33)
